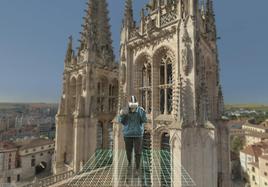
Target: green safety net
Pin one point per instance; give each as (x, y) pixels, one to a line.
(155, 171)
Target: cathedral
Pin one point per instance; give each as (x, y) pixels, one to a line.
(169, 61)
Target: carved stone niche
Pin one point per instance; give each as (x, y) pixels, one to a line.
(122, 73)
(123, 53)
(187, 54)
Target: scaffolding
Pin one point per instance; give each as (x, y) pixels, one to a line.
(155, 171)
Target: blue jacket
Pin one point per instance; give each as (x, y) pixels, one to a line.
(133, 123)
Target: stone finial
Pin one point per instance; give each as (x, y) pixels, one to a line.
(128, 17)
(69, 53)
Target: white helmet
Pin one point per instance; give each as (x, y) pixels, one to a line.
(133, 103)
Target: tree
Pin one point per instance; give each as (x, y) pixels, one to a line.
(237, 144)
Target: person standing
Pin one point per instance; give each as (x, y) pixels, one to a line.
(133, 119)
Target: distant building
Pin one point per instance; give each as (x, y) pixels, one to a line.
(10, 170)
(258, 172)
(254, 163)
(27, 132)
(255, 133)
(24, 160)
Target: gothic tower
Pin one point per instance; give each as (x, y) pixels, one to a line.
(169, 60)
(90, 91)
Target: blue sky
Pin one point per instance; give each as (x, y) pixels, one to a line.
(33, 40)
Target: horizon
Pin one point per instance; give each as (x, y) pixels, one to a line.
(38, 65)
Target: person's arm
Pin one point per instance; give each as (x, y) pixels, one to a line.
(143, 115)
(122, 116)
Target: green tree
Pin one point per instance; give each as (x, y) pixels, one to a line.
(237, 144)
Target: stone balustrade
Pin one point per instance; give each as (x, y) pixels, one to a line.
(51, 180)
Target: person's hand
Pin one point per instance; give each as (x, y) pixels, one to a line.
(123, 111)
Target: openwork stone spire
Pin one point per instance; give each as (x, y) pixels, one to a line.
(128, 19)
(104, 36)
(96, 35)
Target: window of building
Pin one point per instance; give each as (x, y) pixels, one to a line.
(18, 178)
(42, 147)
(41, 154)
(8, 179)
(26, 151)
(112, 96)
(165, 86)
(9, 167)
(253, 177)
(102, 86)
(9, 160)
(145, 88)
(265, 173)
(34, 149)
(253, 169)
(266, 164)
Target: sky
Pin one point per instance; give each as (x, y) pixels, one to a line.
(34, 36)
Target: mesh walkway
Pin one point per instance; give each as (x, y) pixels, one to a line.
(99, 171)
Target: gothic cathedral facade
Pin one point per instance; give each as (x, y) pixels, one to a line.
(169, 60)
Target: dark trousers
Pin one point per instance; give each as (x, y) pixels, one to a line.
(136, 143)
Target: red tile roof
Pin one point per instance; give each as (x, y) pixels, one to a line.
(256, 150)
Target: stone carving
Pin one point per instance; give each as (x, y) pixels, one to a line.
(150, 25)
(168, 17)
(123, 73)
(184, 8)
(123, 53)
(186, 54)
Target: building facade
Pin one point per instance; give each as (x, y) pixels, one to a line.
(255, 133)
(254, 162)
(22, 161)
(90, 93)
(170, 62)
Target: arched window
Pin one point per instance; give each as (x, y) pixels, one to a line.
(145, 84)
(113, 95)
(165, 85)
(103, 91)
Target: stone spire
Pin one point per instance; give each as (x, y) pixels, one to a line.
(96, 35)
(210, 21)
(128, 19)
(69, 53)
(104, 36)
(89, 31)
(209, 6)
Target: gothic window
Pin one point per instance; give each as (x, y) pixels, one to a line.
(166, 83)
(102, 88)
(145, 89)
(112, 96)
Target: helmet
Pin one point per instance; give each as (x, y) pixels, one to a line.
(133, 103)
